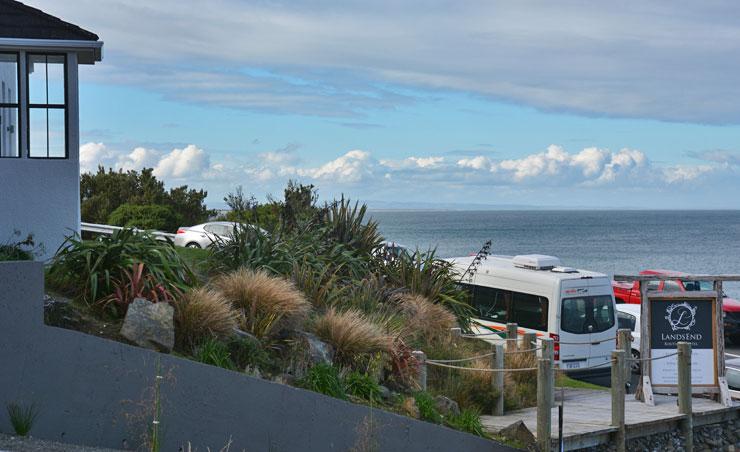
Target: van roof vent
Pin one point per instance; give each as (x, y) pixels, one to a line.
(536, 261)
(564, 270)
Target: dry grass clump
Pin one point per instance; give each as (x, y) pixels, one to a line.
(202, 314)
(425, 320)
(267, 304)
(520, 388)
(351, 333)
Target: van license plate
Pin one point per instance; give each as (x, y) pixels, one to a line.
(574, 365)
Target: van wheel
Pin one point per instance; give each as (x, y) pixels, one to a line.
(192, 245)
(635, 366)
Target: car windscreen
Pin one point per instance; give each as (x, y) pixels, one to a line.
(583, 315)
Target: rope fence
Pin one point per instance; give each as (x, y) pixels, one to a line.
(479, 369)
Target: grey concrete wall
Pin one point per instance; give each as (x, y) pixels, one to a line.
(94, 391)
(42, 196)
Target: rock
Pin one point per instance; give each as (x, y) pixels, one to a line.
(519, 432)
(385, 393)
(409, 408)
(319, 352)
(58, 311)
(150, 325)
(446, 406)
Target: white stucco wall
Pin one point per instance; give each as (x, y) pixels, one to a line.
(41, 196)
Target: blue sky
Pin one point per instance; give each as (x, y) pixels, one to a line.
(497, 103)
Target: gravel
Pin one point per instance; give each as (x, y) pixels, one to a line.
(28, 444)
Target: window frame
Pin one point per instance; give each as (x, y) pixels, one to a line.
(30, 106)
(17, 104)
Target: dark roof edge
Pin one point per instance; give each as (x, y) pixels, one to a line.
(84, 34)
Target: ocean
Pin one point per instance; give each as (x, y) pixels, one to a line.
(606, 241)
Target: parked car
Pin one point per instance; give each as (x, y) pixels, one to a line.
(628, 317)
(733, 373)
(203, 235)
(629, 292)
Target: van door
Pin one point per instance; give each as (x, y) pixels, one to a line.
(587, 324)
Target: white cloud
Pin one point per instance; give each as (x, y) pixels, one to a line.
(543, 173)
(181, 163)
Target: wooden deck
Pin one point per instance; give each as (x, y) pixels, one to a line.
(587, 417)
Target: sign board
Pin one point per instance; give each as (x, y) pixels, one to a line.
(683, 320)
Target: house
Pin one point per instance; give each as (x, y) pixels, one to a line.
(39, 123)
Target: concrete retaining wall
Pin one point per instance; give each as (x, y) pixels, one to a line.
(98, 392)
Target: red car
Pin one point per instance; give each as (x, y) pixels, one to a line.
(629, 292)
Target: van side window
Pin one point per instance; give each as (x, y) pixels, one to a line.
(498, 305)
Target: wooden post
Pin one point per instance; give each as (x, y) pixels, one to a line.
(421, 360)
(624, 343)
(646, 391)
(456, 332)
(544, 404)
(529, 341)
(548, 352)
(617, 391)
(511, 336)
(684, 393)
(497, 378)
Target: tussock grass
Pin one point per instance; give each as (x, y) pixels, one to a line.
(203, 314)
(351, 333)
(267, 304)
(425, 321)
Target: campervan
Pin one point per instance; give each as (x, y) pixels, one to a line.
(573, 307)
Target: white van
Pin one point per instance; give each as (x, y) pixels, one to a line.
(573, 307)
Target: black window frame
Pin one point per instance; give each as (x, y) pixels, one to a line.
(16, 105)
(30, 106)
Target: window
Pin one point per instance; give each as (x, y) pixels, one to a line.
(671, 286)
(9, 138)
(47, 106)
(585, 315)
(503, 306)
(627, 321)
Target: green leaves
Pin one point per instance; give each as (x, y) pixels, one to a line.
(88, 269)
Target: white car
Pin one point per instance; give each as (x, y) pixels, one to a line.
(628, 316)
(203, 235)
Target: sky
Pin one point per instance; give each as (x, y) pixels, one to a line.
(563, 104)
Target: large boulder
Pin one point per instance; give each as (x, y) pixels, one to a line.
(150, 325)
(318, 351)
(520, 433)
(446, 406)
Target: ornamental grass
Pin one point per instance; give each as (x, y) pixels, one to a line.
(203, 314)
(266, 304)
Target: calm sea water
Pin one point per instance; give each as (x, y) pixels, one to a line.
(606, 241)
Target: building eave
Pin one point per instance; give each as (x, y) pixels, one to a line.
(89, 52)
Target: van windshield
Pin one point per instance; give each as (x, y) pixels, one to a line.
(584, 315)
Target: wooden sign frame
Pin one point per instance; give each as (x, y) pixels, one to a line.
(719, 386)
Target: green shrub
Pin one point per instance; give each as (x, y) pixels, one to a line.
(427, 407)
(151, 216)
(248, 353)
(345, 224)
(468, 421)
(18, 250)
(88, 269)
(22, 417)
(422, 273)
(325, 379)
(215, 353)
(362, 385)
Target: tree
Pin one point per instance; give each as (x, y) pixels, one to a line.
(103, 192)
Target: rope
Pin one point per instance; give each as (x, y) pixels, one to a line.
(434, 363)
(529, 350)
(461, 360)
(584, 343)
(652, 359)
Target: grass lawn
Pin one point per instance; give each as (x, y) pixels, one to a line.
(195, 258)
(567, 382)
